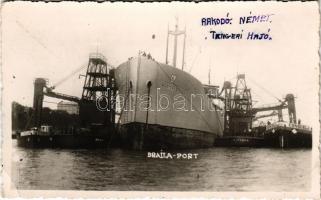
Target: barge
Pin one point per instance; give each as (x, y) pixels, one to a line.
(46, 137)
(288, 135)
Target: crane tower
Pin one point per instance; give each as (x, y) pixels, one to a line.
(97, 103)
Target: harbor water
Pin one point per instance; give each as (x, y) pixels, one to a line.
(215, 169)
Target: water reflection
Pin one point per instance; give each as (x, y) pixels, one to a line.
(216, 169)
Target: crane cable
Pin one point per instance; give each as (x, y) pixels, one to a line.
(74, 72)
(68, 76)
(264, 89)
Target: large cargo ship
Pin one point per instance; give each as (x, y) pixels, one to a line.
(164, 107)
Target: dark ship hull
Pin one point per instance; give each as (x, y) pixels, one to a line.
(240, 141)
(291, 136)
(271, 136)
(80, 138)
(138, 136)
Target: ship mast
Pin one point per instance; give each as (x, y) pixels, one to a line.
(166, 61)
(175, 43)
(183, 61)
(209, 74)
(176, 33)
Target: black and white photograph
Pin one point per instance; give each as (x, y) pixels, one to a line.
(157, 99)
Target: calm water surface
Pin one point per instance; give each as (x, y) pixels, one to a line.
(216, 169)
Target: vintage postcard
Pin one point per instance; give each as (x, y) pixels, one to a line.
(172, 99)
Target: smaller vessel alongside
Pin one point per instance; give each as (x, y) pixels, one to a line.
(46, 137)
(288, 135)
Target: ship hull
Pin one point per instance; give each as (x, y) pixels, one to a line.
(287, 139)
(278, 137)
(239, 141)
(151, 136)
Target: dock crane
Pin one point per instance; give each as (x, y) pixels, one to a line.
(99, 77)
(239, 110)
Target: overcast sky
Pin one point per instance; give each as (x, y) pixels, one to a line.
(51, 40)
